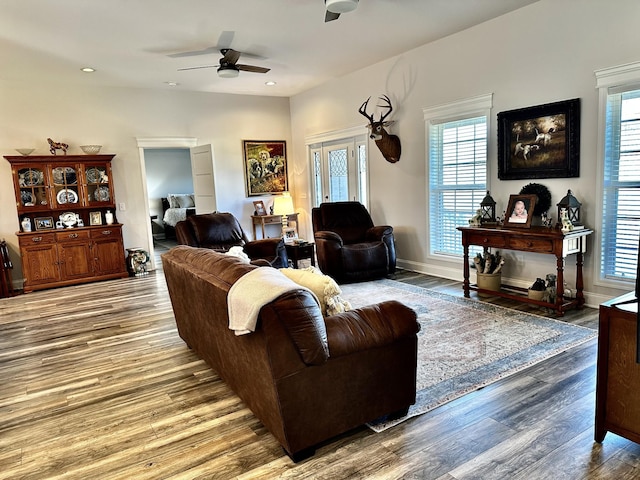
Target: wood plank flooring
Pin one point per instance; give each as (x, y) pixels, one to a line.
(96, 384)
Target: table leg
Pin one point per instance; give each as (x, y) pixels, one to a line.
(560, 285)
(465, 269)
(579, 279)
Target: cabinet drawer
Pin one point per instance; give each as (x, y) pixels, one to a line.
(539, 245)
(72, 235)
(106, 232)
(38, 239)
(268, 220)
(484, 240)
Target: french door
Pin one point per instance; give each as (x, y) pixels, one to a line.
(340, 171)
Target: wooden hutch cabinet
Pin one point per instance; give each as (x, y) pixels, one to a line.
(66, 199)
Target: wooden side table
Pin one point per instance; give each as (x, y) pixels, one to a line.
(300, 251)
(263, 220)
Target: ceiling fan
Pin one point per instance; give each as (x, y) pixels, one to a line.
(336, 7)
(227, 68)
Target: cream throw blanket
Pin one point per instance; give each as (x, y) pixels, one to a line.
(251, 292)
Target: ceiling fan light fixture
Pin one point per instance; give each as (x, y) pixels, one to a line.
(228, 71)
(341, 6)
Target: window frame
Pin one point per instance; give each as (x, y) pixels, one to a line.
(479, 106)
(619, 79)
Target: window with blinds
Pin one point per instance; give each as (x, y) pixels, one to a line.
(457, 179)
(621, 186)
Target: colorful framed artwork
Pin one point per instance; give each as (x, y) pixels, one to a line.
(265, 166)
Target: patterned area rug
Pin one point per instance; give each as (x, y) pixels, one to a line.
(464, 344)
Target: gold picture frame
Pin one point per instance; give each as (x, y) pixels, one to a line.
(95, 218)
(265, 166)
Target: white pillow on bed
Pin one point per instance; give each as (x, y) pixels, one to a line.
(181, 200)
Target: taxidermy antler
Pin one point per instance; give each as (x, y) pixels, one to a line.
(389, 145)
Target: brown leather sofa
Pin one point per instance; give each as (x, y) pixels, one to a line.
(305, 377)
(349, 247)
(220, 231)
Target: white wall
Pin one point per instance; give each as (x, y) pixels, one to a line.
(543, 53)
(114, 118)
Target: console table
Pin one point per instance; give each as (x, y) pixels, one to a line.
(264, 220)
(544, 240)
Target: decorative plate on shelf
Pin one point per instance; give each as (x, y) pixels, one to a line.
(30, 178)
(67, 196)
(95, 175)
(62, 175)
(102, 194)
(27, 198)
(68, 219)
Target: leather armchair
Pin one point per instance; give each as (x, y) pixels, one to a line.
(349, 247)
(221, 231)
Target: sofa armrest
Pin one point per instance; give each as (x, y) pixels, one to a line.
(272, 250)
(301, 316)
(369, 327)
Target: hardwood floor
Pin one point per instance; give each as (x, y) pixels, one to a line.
(96, 383)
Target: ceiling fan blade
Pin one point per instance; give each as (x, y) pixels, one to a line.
(194, 53)
(196, 68)
(330, 16)
(252, 68)
(230, 55)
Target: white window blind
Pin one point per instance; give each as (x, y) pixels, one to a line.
(457, 179)
(621, 186)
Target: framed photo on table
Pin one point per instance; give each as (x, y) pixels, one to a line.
(540, 142)
(520, 211)
(260, 209)
(265, 166)
(290, 235)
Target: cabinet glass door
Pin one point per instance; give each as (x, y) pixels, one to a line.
(98, 188)
(33, 190)
(66, 191)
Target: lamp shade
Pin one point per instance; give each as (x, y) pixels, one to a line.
(283, 204)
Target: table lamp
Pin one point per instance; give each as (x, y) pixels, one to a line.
(283, 205)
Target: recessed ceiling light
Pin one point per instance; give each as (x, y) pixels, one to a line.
(172, 84)
(270, 83)
(88, 69)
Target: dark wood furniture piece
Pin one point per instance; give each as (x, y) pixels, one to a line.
(300, 251)
(56, 192)
(544, 240)
(6, 282)
(264, 220)
(618, 384)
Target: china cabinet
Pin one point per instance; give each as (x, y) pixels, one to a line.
(66, 199)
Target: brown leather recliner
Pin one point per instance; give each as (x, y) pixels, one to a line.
(349, 247)
(220, 231)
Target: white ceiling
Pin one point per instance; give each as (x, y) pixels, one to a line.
(127, 41)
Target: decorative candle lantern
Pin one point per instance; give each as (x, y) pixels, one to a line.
(572, 205)
(488, 209)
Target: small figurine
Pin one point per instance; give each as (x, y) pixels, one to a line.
(566, 224)
(550, 291)
(53, 146)
(475, 220)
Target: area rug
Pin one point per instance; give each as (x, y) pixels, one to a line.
(464, 344)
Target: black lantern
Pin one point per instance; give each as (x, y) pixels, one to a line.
(488, 209)
(572, 205)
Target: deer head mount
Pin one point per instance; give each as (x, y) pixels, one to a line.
(389, 145)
